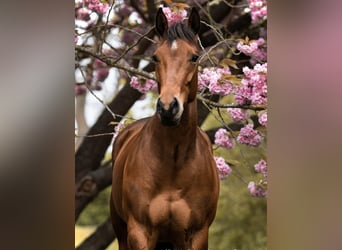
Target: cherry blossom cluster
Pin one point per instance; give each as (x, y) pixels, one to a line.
(88, 11)
(101, 70)
(83, 14)
(238, 115)
(223, 168)
(261, 167)
(258, 10)
(253, 88)
(223, 138)
(96, 6)
(174, 16)
(253, 48)
(212, 78)
(262, 118)
(258, 189)
(143, 85)
(249, 136)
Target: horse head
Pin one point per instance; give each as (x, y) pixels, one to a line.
(176, 60)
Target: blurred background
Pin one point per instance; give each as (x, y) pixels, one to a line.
(37, 146)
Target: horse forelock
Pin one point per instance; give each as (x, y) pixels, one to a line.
(180, 31)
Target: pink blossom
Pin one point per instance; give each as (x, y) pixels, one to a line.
(207, 77)
(124, 9)
(118, 128)
(258, 9)
(253, 48)
(99, 64)
(143, 86)
(249, 136)
(223, 168)
(135, 83)
(243, 93)
(263, 118)
(238, 115)
(151, 85)
(174, 16)
(223, 138)
(257, 189)
(220, 88)
(211, 78)
(83, 14)
(101, 74)
(261, 167)
(248, 48)
(97, 6)
(253, 88)
(80, 89)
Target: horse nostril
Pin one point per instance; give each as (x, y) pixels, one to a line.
(174, 106)
(160, 106)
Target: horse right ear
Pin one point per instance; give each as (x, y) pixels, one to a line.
(161, 23)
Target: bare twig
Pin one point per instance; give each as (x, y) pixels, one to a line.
(97, 135)
(111, 62)
(108, 26)
(93, 93)
(133, 45)
(235, 6)
(207, 53)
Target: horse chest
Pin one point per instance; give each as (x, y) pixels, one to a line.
(170, 212)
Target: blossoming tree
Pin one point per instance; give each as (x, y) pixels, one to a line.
(232, 92)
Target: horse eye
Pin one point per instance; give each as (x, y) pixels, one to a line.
(155, 58)
(194, 58)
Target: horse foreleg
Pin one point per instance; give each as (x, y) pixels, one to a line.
(139, 237)
(119, 226)
(200, 240)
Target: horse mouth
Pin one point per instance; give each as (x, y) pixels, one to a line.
(169, 121)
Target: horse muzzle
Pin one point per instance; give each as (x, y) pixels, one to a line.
(169, 116)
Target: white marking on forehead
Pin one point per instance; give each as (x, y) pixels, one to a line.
(174, 45)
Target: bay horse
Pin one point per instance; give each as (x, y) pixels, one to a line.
(165, 182)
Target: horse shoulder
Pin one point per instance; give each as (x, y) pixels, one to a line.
(119, 157)
(204, 140)
(211, 178)
(126, 135)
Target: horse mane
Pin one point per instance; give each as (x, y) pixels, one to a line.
(182, 31)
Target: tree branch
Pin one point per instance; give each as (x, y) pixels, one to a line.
(90, 186)
(133, 45)
(92, 150)
(100, 239)
(221, 105)
(112, 62)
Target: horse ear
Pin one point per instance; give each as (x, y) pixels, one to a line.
(161, 23)
(194, 20)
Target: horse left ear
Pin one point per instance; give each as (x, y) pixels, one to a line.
(161, 23)
(194, 20)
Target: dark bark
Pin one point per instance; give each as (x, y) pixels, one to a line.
(91, 152)
(100, 239)
(90, 186)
